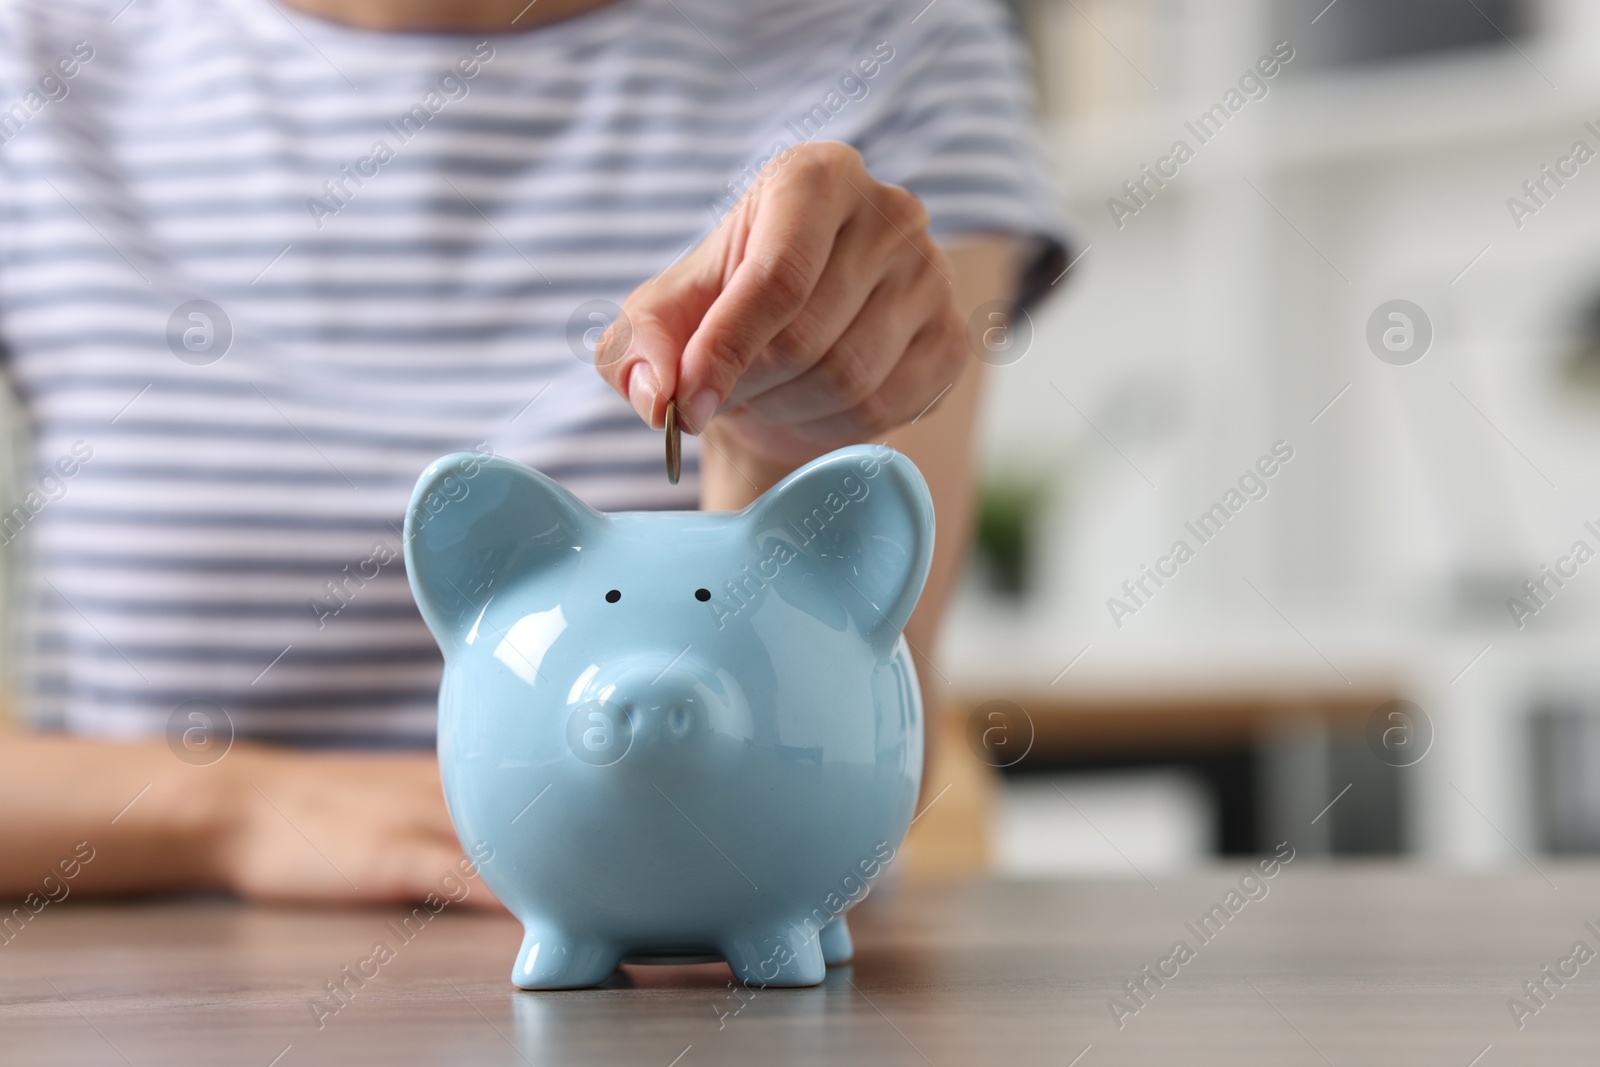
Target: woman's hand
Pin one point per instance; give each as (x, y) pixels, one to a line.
(266, 823)
(342, 828)
(819, 313)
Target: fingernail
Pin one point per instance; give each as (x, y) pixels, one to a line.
(702, 406)
(642, 390)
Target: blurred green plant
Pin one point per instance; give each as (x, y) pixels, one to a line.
(1583, 359)
(1008, 525)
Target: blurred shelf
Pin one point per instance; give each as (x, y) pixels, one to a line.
(1201, 718)
(1357, 115)
(1094, 685)
(1074, 653)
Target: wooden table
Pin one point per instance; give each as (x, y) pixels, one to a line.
(1336, 965)
(1131, 721)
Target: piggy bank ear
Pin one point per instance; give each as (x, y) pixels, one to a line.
(478, 522)
(864, 517)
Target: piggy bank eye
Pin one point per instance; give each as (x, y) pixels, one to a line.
(702, 595)
(613, 596)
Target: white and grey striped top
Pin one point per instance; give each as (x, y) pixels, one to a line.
(391, 235)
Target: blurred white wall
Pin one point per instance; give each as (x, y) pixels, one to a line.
(1232, 308)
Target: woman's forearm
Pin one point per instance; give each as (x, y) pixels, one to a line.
(942, 443)
(264, 822)
(118, 817)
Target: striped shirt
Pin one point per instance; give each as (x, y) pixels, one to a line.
(257, 270)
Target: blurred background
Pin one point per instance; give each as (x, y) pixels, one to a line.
(1381, 260)
(1343, 663)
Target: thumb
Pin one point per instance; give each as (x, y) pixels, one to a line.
(640, 353)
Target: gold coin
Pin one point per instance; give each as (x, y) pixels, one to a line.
(674, 444)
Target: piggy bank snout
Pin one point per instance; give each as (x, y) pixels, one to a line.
(665, 704)
(666, 711)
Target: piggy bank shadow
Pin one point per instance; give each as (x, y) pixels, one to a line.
(545, 1019)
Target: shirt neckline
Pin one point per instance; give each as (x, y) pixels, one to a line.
(614, 14)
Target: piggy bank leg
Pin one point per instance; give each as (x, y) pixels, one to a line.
(784, 956)
(550, 959)
(836, 944)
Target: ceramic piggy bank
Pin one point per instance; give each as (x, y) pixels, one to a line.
(679, 735)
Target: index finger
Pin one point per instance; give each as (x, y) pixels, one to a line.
(795, 219)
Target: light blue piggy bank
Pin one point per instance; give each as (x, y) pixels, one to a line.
(679, 735)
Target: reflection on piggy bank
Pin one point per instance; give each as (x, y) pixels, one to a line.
(682, 734)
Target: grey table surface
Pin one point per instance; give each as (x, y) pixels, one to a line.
(1364, 964)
